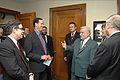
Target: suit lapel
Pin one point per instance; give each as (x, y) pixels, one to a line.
(13, 44)
(81, 49)
(69, 36)
(17, 52)
(85, 46)
(37, 40)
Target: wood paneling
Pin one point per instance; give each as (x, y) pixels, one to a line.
(118, 6)
(8, 11)
(27, 20)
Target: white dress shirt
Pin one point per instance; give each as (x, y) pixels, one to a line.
(85, 41)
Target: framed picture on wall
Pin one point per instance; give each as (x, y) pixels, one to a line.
(97, 34)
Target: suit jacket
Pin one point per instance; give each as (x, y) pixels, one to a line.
(2, 38)
(14, 67)
(34, 51)
(82, 56)
(70, 41)
(106, 63)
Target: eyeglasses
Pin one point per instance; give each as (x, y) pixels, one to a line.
(21, 28)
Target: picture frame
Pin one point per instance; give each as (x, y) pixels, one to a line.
(4, 30)
(97, 34)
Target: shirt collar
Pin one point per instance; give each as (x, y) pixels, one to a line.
(85, 40)
(73, 33)
(114, 33)
(13, 39)
(37, 32)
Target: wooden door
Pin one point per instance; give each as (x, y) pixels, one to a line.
(59, 20)
(118, 7)
(27, 20)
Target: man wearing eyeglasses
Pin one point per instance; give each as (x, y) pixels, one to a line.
(12, 59)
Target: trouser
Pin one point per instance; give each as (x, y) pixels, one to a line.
(69, 70)
(48, 70)
(40, 76)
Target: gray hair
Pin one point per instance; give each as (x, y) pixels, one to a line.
(13, 23)
(86, 28)
(114, 21)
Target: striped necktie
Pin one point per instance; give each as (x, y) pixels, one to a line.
(82, 43)
(43, 43)
(22, 53)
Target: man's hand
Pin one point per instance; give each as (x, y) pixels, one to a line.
(63, 44)
(44, 57)
(49, 57)
(65, 58)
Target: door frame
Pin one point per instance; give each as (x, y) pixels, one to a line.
(68, 7)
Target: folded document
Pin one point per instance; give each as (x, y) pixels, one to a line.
(47, 62)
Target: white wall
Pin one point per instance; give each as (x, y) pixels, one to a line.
(95, 9)
(10, 4)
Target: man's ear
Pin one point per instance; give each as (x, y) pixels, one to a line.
(13, 30)
(36, 24)
(75, 28)
(107, 27)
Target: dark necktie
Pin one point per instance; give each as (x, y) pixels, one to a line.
(22, 53)
(44, 37)
(0, 40)
(43, 43)
(72, 37)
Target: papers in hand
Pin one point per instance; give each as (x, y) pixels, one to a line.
(47, 62)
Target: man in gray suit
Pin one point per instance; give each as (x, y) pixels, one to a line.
(83, 52)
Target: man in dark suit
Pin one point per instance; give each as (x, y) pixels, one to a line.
(106, 62)
(12, 59)
(83, 52)
(49, 45)
(2, 38)
(69, 39)
(1, 34)
(36, 50)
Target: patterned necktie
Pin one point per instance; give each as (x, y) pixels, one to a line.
(72, 37)
(0, 40)
(43, 43)
(82, 43)
(22, 53)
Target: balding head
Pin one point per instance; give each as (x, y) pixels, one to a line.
(112, 24)
(114, 21)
